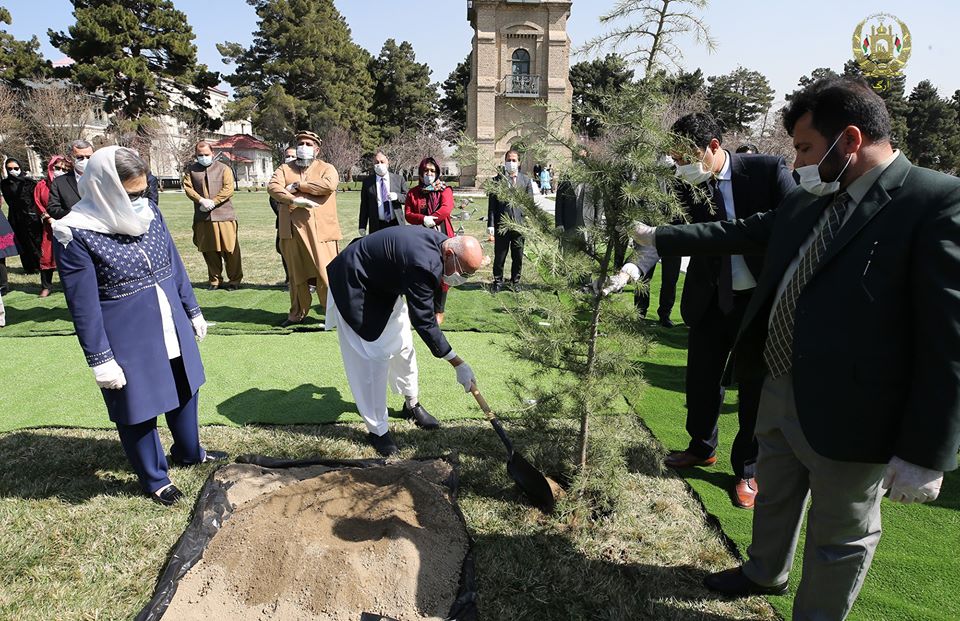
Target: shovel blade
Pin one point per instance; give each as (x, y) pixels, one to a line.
(531, 482)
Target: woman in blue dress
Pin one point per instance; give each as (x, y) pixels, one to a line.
(135, 315)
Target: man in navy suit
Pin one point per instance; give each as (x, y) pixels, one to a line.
(721, 186)
(381, 285)
(382, 197)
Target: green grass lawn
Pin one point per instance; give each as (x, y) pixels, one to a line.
(77, 541)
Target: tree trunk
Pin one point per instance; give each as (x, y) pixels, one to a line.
(592, 350)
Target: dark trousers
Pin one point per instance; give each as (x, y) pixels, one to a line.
(507, 241)
(3, 273)
(141, 442)
(286, 272)
(669, 275)
(46, 279)
(709, 345)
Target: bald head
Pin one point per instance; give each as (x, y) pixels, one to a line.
(462, 254)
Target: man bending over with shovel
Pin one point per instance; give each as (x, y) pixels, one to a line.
(368, 283)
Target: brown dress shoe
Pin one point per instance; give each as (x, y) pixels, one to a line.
(733, 583)
(683, 459)
(745, 493)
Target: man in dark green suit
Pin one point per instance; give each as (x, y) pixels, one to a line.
(855, 327)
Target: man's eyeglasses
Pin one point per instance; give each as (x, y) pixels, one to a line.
(137, 195)
(80, 158)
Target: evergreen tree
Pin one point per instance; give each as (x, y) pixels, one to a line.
(138, 54)
(304, 57)
(454, 101)
(739, 98)
(933, 135)
(402, 94)
(594, 83)
(19, 60)
(820, 73)
(684, 85)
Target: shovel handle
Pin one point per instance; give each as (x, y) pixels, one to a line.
(492, 418)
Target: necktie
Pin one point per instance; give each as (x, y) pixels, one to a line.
(725, 284)
(385, 200)
(778, 352)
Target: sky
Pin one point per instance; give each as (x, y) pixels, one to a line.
(783, 40)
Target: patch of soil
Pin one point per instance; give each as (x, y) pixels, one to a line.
(316, 544)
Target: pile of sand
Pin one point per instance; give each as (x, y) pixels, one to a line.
(312, 543)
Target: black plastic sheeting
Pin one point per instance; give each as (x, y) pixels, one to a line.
(212, 509)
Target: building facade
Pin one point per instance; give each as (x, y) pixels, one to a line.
(251, 159)
(519, 81)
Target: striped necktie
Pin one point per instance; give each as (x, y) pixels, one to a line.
(778, 352)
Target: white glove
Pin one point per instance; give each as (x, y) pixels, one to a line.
(465, 376)
(644, 235)
(429, 221)
(109, 375)
(199, 327)
(362, 232)
(393, 196)
(911, 483)
(490, 230)
(628, 273)
(300, 201)
(206, 204)
(293, 187)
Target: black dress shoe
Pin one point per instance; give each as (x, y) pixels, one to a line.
(384, 444)
(733, 583)
(497, 287)
(421, 417)
(209, 457)
(666, 323)
(167, 496)
(286, 323)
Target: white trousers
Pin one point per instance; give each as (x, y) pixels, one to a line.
(3, 313)
(371, 366)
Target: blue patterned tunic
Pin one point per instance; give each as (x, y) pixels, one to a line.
(110, 285)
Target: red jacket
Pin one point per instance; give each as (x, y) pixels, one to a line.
(436, 204)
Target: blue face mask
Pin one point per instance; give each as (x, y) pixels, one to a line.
(427, 181)
(140, 205)
(204, 160)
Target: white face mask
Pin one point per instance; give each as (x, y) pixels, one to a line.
(694, 174)
(380, 169)
(59, 173)
(427, 180)
(204, 160)
(79, 166)
(810, 175)
(305, 153)
(289, 159)
(13, 173)
(511, 167)
(455, 279)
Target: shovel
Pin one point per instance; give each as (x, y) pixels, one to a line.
(541, 490)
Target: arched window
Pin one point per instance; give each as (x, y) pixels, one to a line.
(521, 62)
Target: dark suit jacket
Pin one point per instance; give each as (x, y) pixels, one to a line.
(370, 201)
(876, 354)
(368, 276)
(759, 183)
(63, 195)
(497, 209)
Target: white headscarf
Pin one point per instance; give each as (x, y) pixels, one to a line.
(104, 206)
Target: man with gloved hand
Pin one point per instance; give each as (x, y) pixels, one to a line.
(209, 184)
(309, 228)
(380, 286)
(853, 331)
(382, 197)
(498, 210)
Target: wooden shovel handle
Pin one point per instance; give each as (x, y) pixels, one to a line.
(480, 400)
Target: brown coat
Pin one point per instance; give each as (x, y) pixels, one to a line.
(318, 183)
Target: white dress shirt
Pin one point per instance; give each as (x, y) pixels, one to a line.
(743, 280)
